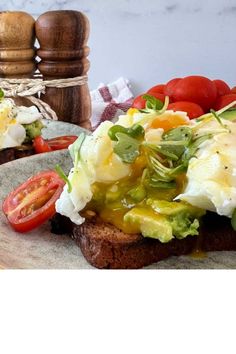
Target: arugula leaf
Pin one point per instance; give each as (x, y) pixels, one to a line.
(127, 148)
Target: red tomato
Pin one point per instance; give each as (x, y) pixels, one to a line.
(33, 202)
(233, 90)
(156, 89)
(193, 110)
(197, 89)
(140, 103)
(41, 145)
(221, 87)
(169, 87)
(224, 101)
(61, 142)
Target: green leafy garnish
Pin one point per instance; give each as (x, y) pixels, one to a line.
(153, 102)
(1, 94)
(127, 148)
(63, 176)
(136, 131)
(76, 147)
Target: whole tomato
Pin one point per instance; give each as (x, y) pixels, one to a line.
(140, 103)
(224, 101)
(233, 90)
(156, 89)
(221, 87)
(193, 109)
(197, 89)
(170, 86)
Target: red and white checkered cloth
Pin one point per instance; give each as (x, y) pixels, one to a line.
(110, 101)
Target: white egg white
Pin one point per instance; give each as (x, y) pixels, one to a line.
(211, 174)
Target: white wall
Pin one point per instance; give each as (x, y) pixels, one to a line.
(150, 41)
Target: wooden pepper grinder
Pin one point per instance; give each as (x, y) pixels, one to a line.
(62, 36)
(17, 51)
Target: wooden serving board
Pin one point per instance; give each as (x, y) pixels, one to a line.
(40, 249)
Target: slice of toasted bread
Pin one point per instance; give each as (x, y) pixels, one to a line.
(10, 154)
(104, 246)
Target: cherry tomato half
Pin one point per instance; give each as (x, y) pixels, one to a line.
(221, 87)
(197, 89)
(193, 110)
(224, 101)
(61, 142)
(156, 89)
(33, 202)
(140, 103)
(40, 145)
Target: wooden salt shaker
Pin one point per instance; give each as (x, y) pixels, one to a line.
(17, 51)
(62, 36)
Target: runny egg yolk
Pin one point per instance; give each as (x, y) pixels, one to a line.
(112, 201)
(5, 119)
(169, 121)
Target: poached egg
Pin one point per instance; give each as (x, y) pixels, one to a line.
(211, 174)
(12, 118)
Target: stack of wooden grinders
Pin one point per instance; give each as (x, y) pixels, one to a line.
(62, 37)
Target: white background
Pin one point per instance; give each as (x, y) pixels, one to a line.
(151, 41)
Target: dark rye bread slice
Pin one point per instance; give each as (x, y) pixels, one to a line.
(104, 246)
(10, 154)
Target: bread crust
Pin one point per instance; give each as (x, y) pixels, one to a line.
(10, 154)
(104, 246)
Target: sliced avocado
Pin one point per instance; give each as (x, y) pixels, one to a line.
(182, 216)
(230, 114)
(32, 130)
(164, 207)
(150, 224)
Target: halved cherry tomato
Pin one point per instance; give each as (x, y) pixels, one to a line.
(33, 202)
(193, 110)
(169, 87)
(61, 142)
(224, 101)
(156, 89)
(197, 89)
(140, 103)
(222, 87)
(40, 145)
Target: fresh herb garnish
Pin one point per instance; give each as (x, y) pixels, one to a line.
(136, 131)
(75, 149)
(1, 94)
(63, 176)
(127, 148)
(153, 102)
